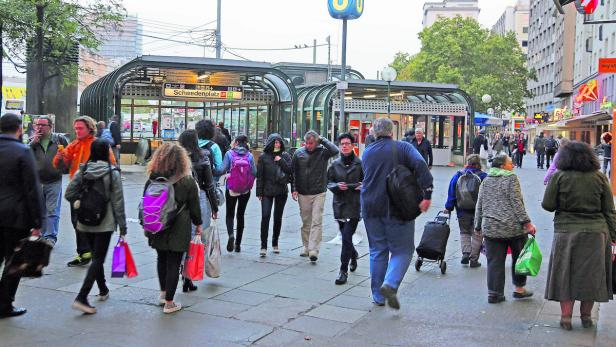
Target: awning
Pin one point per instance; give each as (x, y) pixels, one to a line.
(482, 120)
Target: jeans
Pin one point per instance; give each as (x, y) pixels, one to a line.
(116, 154)
(9, 238)
(519, 157)
(347, 229)
(607, 167)
(391, 244)
(83, 244)
(99, 243)
(496, 252)
(241, 210)
(311, 210)
(168, 266)
(52, 194)
(540, 158)
(278, 202)
(469, 238)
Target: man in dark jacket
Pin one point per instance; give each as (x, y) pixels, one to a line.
(44, 145)
(21, 204)
(540, 150)
(391, 240)
(116, 133)
(551, 147)
(224, 131)
(409, 136)
(423, 146)
(345, 177)
(309, 187)
(480, 140)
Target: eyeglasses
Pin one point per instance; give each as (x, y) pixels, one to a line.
(345, 144)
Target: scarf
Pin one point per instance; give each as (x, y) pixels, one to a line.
(494, 171)
(348, 159)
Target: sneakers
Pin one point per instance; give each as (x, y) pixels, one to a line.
(313, 256)
(475, 263)
(13, 312)
(390, 296)
(230, 243)
(171, 308)
(342, 278)
(465, 259)
(103, 296)
(161, 299)
(83, 306)
(80, 260)
(263, 252)
(276, 250)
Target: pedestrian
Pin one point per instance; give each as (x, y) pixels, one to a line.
(273, 176)
(154, 127)
(409, 136)
(100, 127)
(345, 177)
(391, 240)
(498, 146)
(607, 153)
(171, 161)
(206, 132)
(506, 145)
(584, 230)
(502, 219)
(202, 173)
(44, 145)
(520, 150)
(106, 188)
(71, 157)
(221, 140)
(540, 147)
(116, 134)
(423, 146)
(552, 169)
(224, 131)
(309, 188)
(240, 166)
(370, 138)
(21, 205)
(462, 196)
(551, 146)
(480, 142)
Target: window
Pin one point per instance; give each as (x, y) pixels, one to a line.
(524, 43)
(525, 30)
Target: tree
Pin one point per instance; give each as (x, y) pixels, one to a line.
(459, 51)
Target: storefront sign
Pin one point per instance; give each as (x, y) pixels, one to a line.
(345, 9)
(588, 92)
(607, 65)
(201, 91)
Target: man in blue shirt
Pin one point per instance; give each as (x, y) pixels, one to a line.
(391, 240)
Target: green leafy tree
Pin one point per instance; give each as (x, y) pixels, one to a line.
(480, 62)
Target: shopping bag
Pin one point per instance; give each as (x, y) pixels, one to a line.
(529, 261)
(131, 268)
(213, 253)
(195, 260)
(118, 267)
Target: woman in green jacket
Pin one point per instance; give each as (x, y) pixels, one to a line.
(172, 162)
(584, 224)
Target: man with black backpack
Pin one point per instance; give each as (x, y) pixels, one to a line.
(462, 195)
(551, 146)
(540, 150)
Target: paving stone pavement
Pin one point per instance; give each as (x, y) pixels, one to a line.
(283, 300)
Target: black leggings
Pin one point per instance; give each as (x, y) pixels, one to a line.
(99, 243)
(241, 210)
(278, 202)
(347, 229)
(168, 266)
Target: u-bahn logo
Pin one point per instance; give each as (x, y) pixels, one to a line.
(345, 9)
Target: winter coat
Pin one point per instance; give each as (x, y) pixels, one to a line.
(500, 211)
(21, 200)
(44, 159)
(113, 192)
(346, 202)
(116, 133)
(202, 173)
(177, 237)
(273, 176)
(425, 149)
(478, 142)
(539, 144)
(310, 168)
(451, 193)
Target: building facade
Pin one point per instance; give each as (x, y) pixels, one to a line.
(516, 19)
(449, 9)
(122, 42)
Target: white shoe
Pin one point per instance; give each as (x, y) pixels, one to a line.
(276, 250)
(263, 253)
(174, 307)
(100, 297)
(83, 307)
(161, 299)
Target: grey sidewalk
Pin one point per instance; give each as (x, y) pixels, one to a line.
(283, 300)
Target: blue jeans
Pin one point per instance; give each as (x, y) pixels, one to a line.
(392, 243)
(52, 193)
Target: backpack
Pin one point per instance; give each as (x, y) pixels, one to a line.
(106, 135)
(403, 190)
(241, 178)
(467, 190)
(207, 151)
(158, 208)
(91, 205)
(550, 143)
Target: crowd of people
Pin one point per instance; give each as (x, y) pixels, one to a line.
(489, 204)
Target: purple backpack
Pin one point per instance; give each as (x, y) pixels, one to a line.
(241, 178)
(158, 208)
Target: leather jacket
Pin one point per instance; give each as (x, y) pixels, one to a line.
(346, 202)
(310, 168)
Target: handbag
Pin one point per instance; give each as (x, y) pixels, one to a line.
(118, 266)
(30, 257)
(529, 260)
(194, 264)
(213, 253)
(403, 191)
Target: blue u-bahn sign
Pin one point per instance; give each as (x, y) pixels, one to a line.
(345, 9)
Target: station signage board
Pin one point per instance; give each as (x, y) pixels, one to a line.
(201, 91)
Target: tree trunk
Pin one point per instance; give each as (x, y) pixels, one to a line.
(40, 39)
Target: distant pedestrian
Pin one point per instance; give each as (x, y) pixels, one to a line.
(71, 157)
(409, 136)
(607, 153)
(224, 131)
(240, 166)
(480, 147)
(552, 169)
(551, 146)
(390, 239)
(345, 177)
(520, 150)
(309, 187)
(274, 173)
(206, 132)
(104, 181)
(100, 127)
(154, 127)
(584, 229)
(502, 219)
(170, 161)
(423, 146)
(116, 133)
(498, 145)
(21, 205)
(221, 140)
(539, 147)
(506, 144)
(462, 195)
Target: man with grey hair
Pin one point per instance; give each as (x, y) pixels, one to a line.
(423, 146)
(391, 240)
(309, 187)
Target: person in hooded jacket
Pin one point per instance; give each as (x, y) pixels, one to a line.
(273, 177)
(98, 167)
(345, 177)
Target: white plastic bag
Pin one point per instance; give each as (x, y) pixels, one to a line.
(213, 253)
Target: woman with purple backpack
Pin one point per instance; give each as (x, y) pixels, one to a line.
(240, 166)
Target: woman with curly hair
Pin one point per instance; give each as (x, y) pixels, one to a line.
(171, 162)
(584, 224)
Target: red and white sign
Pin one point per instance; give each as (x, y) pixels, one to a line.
(607, 65)
(586, 6)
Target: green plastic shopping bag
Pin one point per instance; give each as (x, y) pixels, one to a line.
(529, 261)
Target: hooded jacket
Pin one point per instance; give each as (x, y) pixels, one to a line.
(116, 214)
(273, 176)
(310, 168)
(346, 202)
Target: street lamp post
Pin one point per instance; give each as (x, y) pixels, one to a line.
(389, 75)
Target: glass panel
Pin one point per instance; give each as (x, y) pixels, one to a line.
(173, 122)
(126, 101)
(142, 124)
(283, 90)
(125, 115)
(194, 115)
(195, 104)
(261, 120)
(173, 103)
(146, 102)
(243, 128)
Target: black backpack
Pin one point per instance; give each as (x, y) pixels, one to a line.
(467, 190)
(550, 143)
(91, 206)
(403, 190)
